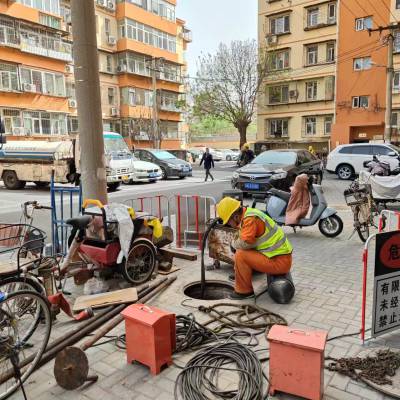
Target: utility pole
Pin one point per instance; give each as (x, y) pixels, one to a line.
(155, 102)
(92, 159)
(389, 77)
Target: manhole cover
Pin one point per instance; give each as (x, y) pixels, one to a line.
(214, 290)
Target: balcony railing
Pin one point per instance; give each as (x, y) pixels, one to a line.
(318, 21)
(167, 104)
(8, 35)
(187, 35)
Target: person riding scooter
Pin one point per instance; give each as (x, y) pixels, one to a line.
(261, 246)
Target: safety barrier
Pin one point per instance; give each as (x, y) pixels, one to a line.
(66, 202)
(192, 215)
(159, 206)
(389, 221)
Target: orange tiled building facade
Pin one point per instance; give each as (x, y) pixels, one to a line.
(37, 90)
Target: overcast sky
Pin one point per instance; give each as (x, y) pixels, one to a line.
(215, 21)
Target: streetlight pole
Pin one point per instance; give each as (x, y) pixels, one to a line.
(92, 160)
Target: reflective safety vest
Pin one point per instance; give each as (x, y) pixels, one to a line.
(274, 241)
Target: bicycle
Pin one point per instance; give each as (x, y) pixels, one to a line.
(365, 210)
(20, 338)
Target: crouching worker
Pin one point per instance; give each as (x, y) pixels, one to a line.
(261, 246)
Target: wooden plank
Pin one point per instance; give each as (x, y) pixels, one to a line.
(178, 253)
(171, 271)
(105, 299)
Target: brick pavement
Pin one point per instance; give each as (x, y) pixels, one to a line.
(327, 275)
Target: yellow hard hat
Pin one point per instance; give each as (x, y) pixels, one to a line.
(226, 207)
(246, 146)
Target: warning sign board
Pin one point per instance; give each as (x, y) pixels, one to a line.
(386, 304)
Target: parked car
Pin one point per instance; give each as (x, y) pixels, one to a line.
(217, 155)
(144, 171)
(278, 168)
(348, 160)
(183, 155)
(230, 155)
(196, 154)
(170, 165)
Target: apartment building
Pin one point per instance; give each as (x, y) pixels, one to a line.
(37, 72)
(327, 80)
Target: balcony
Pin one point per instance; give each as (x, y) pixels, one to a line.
(170, 104)
(8, 34)
(54, 49)
(187, 35)
(318, 20)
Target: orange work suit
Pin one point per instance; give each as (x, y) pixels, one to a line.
(248, 260)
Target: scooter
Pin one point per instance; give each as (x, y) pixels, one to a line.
(276, 202)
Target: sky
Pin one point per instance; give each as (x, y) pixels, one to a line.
(216, 21)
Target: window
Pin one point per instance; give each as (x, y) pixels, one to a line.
(49, 20)
(331, 13)
(111, 96)
(8, 77)
(397, 4)
(51, 6)
(278, 127)
(49, 83)
(278, 94)
(11, 119)
(328, 125)
(107, 27)
(330, 52)
(109, 64)
(311, 90)
(396, 42)
(279, 60)
(363, 23)
(44, 123)
(396, 81)
(312, 55)
(312, 17)
(362, 150)
(395, 120)
(362, 63)
(383, 150)
(360, 102)
(311, 126)
(279, 25)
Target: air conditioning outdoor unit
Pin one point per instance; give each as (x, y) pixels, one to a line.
(121, 68)
(114, 112)
(112, 40)
(293, 94)
(72, 103)
(69, 69)
(18, 131)
(271, 39)
(111, 5)
(29, 87)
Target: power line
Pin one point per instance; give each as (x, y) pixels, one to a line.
(377, 12)
(388, 8)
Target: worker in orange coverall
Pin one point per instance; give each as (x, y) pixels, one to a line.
(261, 246)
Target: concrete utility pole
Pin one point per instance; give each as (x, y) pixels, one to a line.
(155, 102)
(389, 77)
(92, 159)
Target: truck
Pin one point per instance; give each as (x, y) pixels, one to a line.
(35, 160)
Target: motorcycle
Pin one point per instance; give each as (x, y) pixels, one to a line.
(276, 202)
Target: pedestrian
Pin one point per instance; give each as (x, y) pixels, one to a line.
(246, 156)
(261, 246)
(311, 150)
(208, 161)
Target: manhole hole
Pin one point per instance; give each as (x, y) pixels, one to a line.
(214, 290)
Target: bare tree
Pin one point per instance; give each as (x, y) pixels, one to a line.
(228, 82)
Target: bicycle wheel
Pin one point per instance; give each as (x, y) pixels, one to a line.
(16, 284)
(15, 352)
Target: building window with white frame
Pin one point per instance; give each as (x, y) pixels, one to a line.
(279, 25)
(8, 77)
(364, 23)
(311, 90)
(331, 13)
(328, 121)
(360, 102)
(279, 60)
(312, 17)
(396, 81)
(362, 63)
(397, 4)
(310, 126)
(330, 52)
(312, 54)
(278, 94)
(49, 83)
(278, 127)
(50, 6)
(12, 120)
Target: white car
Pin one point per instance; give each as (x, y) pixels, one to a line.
(348, 160)
(144, 171)
(230, 155)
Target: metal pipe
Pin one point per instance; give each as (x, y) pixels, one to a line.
(70, 339)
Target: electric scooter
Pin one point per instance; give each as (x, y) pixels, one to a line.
(276, 202)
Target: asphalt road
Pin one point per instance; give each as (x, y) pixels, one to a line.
(11, 201)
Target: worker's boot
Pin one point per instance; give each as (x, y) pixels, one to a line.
(241, 296)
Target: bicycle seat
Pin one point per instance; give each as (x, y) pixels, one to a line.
(280, 193)
(80, 222)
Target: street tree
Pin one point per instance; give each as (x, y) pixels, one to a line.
(227, 83)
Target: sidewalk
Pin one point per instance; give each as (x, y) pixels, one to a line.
(328, 277)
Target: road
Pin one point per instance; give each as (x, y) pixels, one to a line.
(10, 201)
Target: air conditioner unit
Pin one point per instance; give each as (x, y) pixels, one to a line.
(102, 3)
(121, 68)
(28, 87)
(111, 5)
(18, 131)
(114, 112)
(69, 69)
(72, 103)
(112, 40)
(271, 39)
(293, 94)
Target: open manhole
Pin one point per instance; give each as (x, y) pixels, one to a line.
(214, 290)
